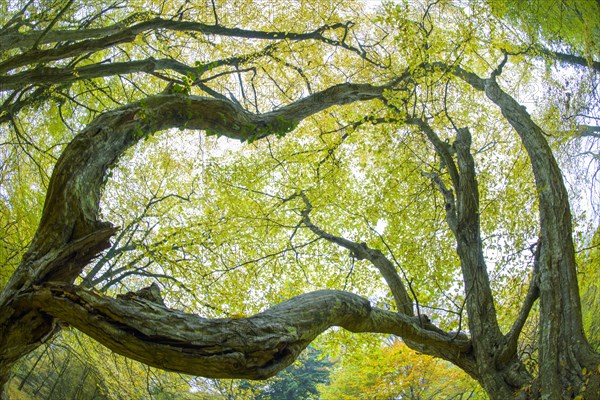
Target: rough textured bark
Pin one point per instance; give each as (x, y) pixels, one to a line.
(404, 303)
(100, 38)
(256, 347)
(70, 236)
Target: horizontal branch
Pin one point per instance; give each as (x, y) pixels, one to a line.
(69, 74)
(588, 131)
(256, 347)
(568, 58)
(115, 32)
(54, 76)
(36, 56)
(100, 39)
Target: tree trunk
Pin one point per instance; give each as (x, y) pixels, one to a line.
(564, 349)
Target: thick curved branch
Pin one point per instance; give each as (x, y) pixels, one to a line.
(256, 347)
(71, 204)
(70, 214)
(60, 263)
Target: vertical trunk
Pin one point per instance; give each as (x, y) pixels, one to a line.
(485, 332)
(564, 350)
(499, 375)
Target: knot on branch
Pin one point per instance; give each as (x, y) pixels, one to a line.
(66, 262)
(360, 252)
(150, 293)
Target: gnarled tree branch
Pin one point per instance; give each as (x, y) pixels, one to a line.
(561, 329)
(256, 347)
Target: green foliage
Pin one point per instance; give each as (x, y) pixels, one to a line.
(572, 23)
(56, 372)
(75, 367)
(394, 371)
(589, 264)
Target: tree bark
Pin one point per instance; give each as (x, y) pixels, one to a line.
(70, 236)
(100, 38)
(256, 347)
(500, 376)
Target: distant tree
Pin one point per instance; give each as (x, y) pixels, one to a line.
(299, 380)
(395, 371)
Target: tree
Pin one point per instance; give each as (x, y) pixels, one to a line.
(298, 381)
(56, 372)
(403, 153)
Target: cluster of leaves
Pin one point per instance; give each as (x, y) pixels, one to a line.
(75, 367)
(394, 371)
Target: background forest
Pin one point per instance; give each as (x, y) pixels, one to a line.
(272, 150)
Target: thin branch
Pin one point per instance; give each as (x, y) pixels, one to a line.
(533, 293)
(443, 149)
(214, 9)
(52, 23)
(451, 216)
(361, 251)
